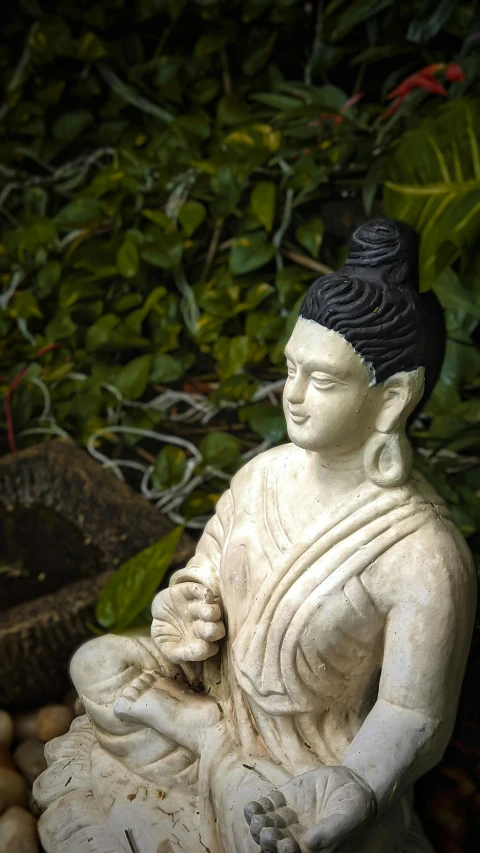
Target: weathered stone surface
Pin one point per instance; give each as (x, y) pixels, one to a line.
(66, 524)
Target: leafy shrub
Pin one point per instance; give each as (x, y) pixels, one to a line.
(174, 175)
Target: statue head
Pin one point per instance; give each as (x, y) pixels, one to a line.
(364, 354)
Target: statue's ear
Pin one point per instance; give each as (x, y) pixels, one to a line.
(401, 393)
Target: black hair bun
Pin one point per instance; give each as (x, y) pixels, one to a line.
(384, 250)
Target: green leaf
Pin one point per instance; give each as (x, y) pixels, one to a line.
(197, 504)
(278, 102)
(127, 259)
(90, 48)
(25, 305)
(81, 213)
(48, 277)
(209, 43)
(61, 327)
(220, 450)
(134, 584)
(310, 235)
(357, 12)
(432, 181)
(165, 368)
(454, 297)
(255, 295)
(249, 253)
(262, 201)
(231, 353)
(165, 253)
(132, 379)
(71, 124)
(160, 218)
(267, 421)
(170, 467)
(425, 28)
(192, 213)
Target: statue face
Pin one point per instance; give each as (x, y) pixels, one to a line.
(329, 401)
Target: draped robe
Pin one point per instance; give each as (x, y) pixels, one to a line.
(300, 664)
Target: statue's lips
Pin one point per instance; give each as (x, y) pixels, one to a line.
(298, 418)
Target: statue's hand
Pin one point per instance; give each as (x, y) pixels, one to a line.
(319, 810)
(187, 622)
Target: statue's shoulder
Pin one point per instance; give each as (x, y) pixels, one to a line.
(425, 489)
(274, 457)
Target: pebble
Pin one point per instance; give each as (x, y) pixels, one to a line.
(13, 790)
(25, 724)
(53, 721)
(30, 759)
(6, 759)
(18, 832)
(6, 728)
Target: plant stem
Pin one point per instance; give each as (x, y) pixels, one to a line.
(212, 250)
(304, 261)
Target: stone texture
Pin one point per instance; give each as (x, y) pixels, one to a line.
(18, 832)
(53, 721)
(6, 728)
(29, 758)
(13, 790)
(66, 524)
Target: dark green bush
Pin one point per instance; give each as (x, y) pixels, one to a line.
(173, 175)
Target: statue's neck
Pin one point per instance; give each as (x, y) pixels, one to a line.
(335, 475)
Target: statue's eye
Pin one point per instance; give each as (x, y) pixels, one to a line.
(322, 381)
(291, 370)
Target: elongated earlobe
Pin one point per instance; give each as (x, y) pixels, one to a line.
(387, 459)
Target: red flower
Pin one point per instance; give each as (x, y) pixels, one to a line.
(454, 72)
(424, 79)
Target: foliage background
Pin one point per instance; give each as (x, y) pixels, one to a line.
(174, 173)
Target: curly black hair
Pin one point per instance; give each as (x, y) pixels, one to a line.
(374, 303)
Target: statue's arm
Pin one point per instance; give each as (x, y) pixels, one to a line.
(204, 566)
(187, 617)
(428, 586)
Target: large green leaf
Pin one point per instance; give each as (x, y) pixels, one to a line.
(134, 584)
(262, 200)
(170, 466)
(132, 379)
(432, 181)
(249, 253)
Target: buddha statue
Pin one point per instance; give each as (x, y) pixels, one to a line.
(304, 668)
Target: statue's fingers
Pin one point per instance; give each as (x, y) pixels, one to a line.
(131, 693)
(258, 824)
(196, 651)
(207, 612)
(288, 845)
(273, 800)
(331, 831)
(270, 838)
(251, 809)
(285, 816)
(197, 592)
(208, 631)
(123, 707)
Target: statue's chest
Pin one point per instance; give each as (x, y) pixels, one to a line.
(346, 624)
